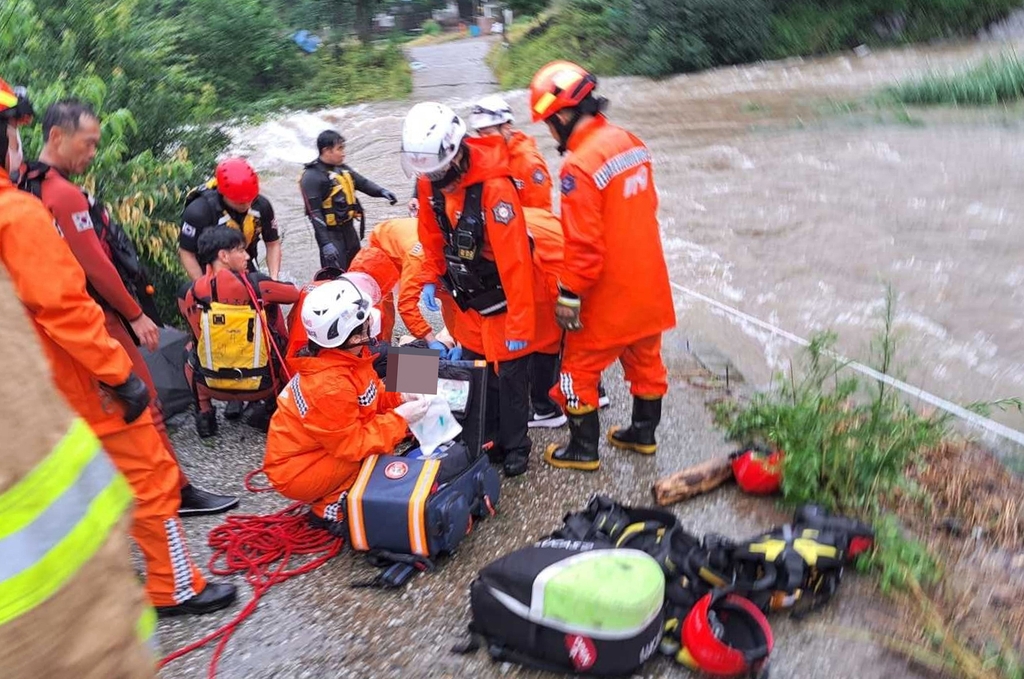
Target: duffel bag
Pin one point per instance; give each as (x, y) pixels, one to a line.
(406, 505)
(586, 609)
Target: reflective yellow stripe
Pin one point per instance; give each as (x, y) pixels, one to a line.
(356, 527)
(55, 519)
(418, 539)
(51, 478)
(8, 100)
(145, 628)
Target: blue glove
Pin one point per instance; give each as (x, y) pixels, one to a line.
(516, 345)
(439, 346)
(428, 298)
(455, 353)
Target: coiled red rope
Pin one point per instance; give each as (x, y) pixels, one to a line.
(261, 548)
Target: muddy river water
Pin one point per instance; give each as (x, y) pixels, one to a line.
(777, 202)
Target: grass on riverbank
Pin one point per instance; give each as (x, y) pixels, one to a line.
(858, 448)
(994, 81)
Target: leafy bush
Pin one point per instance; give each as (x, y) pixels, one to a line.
(528, 7)
(431, 27)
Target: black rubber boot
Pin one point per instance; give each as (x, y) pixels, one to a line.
(258, 414)
(516, 463)
(639, 437)
(196, 502)
(581, 451)
(215, 596)
(206, 423)
(233, 410)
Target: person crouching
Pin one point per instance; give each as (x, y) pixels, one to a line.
(335, 412)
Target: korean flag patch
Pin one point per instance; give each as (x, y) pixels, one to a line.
(82, 221)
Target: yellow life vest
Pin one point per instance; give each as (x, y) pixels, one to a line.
(232, 347)
(340, 205)
(251, 226)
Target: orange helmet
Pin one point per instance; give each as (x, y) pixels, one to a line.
(14, 105)
(559, 85)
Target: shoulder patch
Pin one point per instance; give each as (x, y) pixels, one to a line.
(188, 230)
(568, 184)
(503, 212)
(417, 249)
(82, 221)
(520, 184)
(538, 176)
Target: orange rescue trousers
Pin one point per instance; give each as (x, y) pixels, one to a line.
(581, 371)
(139, 454)
(117, 330)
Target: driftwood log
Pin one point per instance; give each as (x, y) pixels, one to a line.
(692, 481)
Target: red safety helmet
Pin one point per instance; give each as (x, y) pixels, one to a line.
(757, 472)
(237, 181)
(725, 635)
(559, 85)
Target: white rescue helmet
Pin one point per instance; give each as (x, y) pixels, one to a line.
(333, 310)
(490, 111)
(431, 135)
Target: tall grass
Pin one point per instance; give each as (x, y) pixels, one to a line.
(994, 81)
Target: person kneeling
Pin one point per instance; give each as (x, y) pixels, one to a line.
(335, 412)
(232, 358)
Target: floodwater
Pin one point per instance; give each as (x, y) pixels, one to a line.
(777, 202)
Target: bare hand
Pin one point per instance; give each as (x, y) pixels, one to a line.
(147, 332)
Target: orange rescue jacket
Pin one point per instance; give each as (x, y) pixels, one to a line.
(529, 171)
(613, 254)
(335, 408)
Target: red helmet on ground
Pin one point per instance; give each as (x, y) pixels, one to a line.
(237, 181)
(725, 635)
(758, 472)
(559, 85)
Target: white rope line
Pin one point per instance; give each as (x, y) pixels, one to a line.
(973, 419)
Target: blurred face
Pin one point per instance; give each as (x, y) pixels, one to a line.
(76, 149)
(237, 207)
(236, 259)
(504, 130)
(334, 155)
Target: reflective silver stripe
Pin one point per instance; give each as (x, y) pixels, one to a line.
(493, 308)
(623, 162)
(25, 548)
(181, 563)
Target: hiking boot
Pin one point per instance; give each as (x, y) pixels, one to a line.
(516, 463)
(602, 398)
(215, 596)
(206, 423)
(233, 410)
(639, 437)
(552, 420)
(196, 502)
(581, 451)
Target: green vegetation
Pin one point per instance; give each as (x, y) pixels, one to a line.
(660, 37)
(431, 27)
(991, 82)
(161, 75)
(849, 444)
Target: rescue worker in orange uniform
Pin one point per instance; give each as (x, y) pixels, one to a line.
(474, 238)
(222, 251)
(71, 137)
(614, 296)
(492, 116)
(95, 374)
(399, 239)
(335, 412)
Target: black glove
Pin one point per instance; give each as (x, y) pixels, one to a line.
(392, 198)
(330, 257)
(134, 394)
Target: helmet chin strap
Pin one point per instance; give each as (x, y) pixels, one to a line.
(589, 106)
